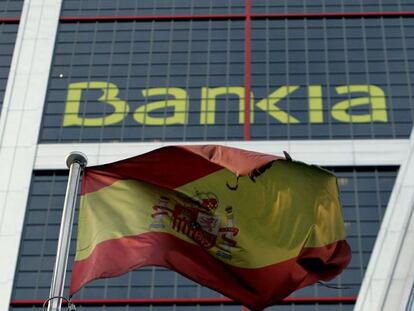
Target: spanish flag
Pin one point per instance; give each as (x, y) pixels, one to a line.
(252, 226)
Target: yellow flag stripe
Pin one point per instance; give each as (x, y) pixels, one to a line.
(289, 207)
(121, 209)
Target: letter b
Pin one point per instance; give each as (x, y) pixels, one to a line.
(109, 96)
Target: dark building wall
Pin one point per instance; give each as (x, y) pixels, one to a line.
(172, 79)
(9, 18)
(7, 38)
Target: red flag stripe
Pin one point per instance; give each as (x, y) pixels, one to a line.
(174, 166)
(116, 257)
(168, 167)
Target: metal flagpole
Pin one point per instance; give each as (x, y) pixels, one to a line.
(75, 161)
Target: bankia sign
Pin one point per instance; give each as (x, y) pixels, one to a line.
(106, 111)
(369, 98)
(170, 81)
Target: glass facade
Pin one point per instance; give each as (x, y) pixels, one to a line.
(150, 7)
(10, 8)
(364, 195)
(9, 14)
(320, 67)
(189, 7)
(330, 6)
(175, 80)
(8, 34)
(153, 73)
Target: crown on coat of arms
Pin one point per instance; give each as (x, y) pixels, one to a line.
(207, 200)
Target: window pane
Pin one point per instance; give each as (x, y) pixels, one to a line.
(146, 81)
(10, 8)
(7, 38)
(150, 7)
(331, 6)
(332, 78)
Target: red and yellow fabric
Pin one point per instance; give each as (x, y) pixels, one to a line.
(252, 226)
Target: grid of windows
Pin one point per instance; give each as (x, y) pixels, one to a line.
(334, 6)
(10, 8)
(364, 194)
(150, 7)
(148, 63)
(184, 80)
(189, 7)
(7, 38)
(314, 69)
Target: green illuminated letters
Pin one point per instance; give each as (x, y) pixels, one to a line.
(315, 104)
(179, 104)
(173, 108)
(269, 104)
(109, 96)
(208, 103)
(376, 99)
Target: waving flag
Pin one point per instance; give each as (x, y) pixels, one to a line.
(252, 226)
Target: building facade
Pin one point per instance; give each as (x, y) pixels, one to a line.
(329, 81)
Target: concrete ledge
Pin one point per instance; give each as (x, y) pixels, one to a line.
(320, 152)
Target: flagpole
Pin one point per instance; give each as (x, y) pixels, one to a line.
(75, 161)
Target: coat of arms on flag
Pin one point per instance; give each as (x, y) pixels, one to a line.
(196, 219)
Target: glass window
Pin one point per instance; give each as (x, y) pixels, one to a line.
(331, 78)
(8, 34)
(166, 81)
(150, 7)
(10, 8)
(331, 6)
(181, 80)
